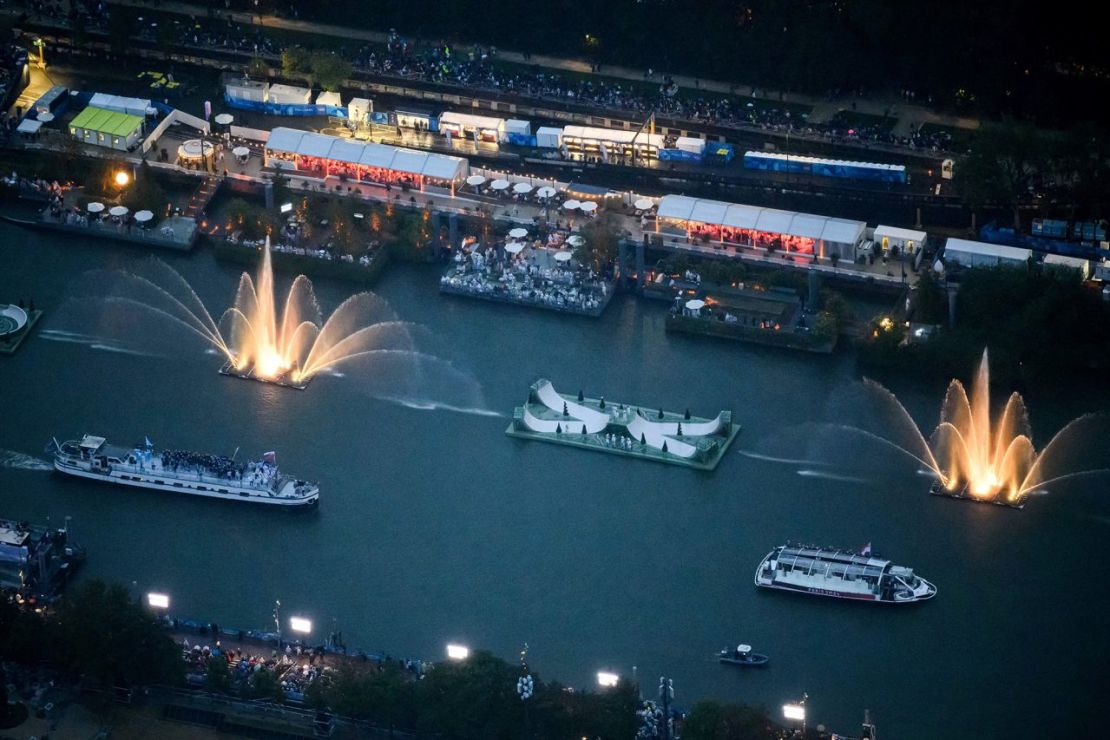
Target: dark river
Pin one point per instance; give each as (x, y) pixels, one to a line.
(434, 526)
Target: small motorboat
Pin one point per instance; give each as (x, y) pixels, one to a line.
(742, 655)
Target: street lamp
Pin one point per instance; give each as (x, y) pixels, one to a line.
(40, 45)
(458, 652)
(158, 600)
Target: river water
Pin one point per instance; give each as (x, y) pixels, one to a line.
(435, 527)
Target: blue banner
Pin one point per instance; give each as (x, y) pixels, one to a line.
(286, 109)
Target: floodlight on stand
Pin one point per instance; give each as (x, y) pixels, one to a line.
(458, 652)
(158, 601)
(604, 678)
(286, 207)
(300, 624)
(794, 711)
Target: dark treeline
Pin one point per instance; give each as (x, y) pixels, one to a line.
(1015, 56)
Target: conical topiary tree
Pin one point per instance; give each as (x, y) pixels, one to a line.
(601, 402)
(660, 412)
(687, 414)
(643, 439)
(558, 428)
(664, 445)
(565, 412)
(581, 397)
(680, 428)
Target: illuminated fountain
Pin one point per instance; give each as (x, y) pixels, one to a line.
(288, 343)
(979, 458)
(971, 454)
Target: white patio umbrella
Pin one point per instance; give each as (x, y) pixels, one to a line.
(518, 233)
(563, 256)
(571, 205)
(522, 188)
(241, 151)
(46, 117)
(500, 185)
(588, 206)
(576, 240)
(475, 180)
(514, 247)
(95, 207)
(643, 204)
(117, 211)
(695, 304)
(224, 119)
(144, 216)
(546, 191)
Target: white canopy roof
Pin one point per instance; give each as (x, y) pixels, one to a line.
(843, 231)
(316, 145)
(894, 232)
(329, 98)
(472, 121)
(741, 217)
(437, 166)
(807, 226)
(345, 150)
(120, 104)
(676, 207)
(769, 220)
(616, 136)
(285, 140)
(774, 221)
(955, 247)
(28, 126)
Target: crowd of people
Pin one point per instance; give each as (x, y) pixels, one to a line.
(477, 67)
(218, 466)
(293, 670)
(531, 276)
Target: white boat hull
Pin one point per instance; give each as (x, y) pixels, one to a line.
(233, 492)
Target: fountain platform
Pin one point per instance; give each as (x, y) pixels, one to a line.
(15, 326)
(623, 429)
(938, 489)
(229, 370)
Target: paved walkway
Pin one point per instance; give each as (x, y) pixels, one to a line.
(823, 109)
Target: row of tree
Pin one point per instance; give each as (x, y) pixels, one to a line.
(1040, 325)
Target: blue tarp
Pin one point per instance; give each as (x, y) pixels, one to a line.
(286, 109)
(678, 155)
(995, 234)
(522, 139)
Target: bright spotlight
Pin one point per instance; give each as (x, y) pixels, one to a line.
(794, 712)
(122, 178)
(458, 652)
(286, 207)
(300, 624)
(607, 679)
(158, 601)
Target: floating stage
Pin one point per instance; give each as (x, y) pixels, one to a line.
(623, 429)
(284, 381)
(938, 489)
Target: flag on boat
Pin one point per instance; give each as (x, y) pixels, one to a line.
(147, 442)
(270, 457)
(52, 446)
(866, 550)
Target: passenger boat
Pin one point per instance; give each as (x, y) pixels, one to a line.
(841, 574)
(742, 655)
(183, 471)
